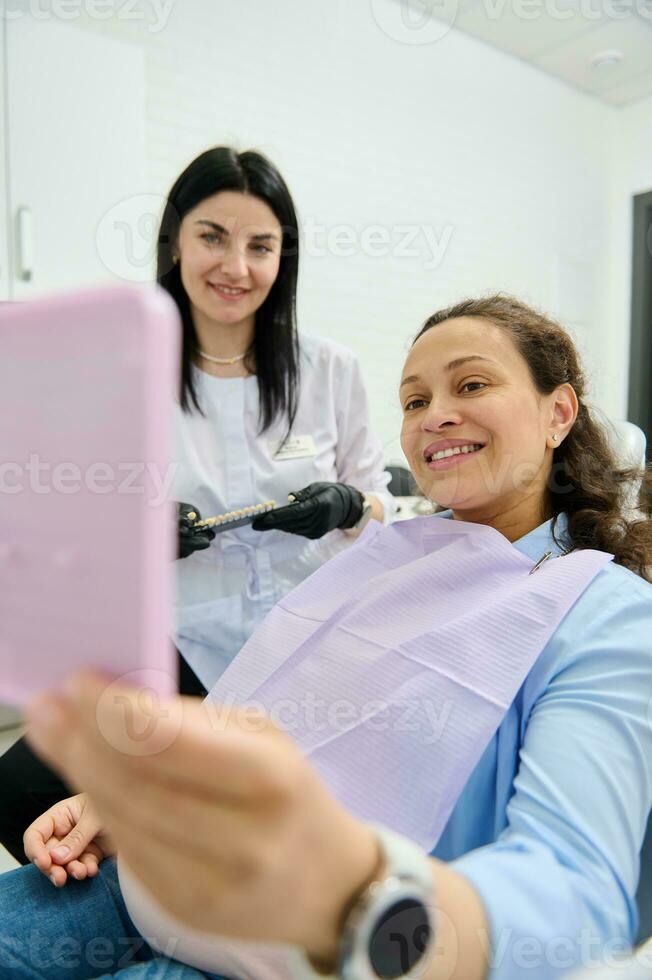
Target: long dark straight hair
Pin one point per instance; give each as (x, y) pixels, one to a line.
(596, 490)
(275, 349)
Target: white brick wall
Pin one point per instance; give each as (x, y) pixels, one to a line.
(510, 166)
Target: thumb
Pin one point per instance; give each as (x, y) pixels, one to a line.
(76, 842)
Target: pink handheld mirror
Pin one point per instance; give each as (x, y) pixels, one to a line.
(87, 537)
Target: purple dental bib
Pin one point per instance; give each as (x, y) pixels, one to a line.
(393, 665)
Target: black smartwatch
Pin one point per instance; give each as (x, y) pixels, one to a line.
(389, 932)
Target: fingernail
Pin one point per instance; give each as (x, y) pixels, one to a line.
(53, 880)
(60, 852)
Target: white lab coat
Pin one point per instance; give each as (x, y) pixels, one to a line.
(224, 592)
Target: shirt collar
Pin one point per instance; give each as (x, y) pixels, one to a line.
(535, 543)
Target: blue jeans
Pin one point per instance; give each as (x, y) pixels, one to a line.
(79, 932)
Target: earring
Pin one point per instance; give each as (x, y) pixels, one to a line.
(175, 259)
(555, 437)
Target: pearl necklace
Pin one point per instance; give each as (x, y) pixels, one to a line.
(222, 360)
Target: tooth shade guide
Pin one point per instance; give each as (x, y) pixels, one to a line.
(235, 518)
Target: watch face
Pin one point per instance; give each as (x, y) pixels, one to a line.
(400, 939)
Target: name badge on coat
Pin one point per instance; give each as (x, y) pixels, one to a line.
(295, 447)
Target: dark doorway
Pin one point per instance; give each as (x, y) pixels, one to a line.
(640, 369)
(640, 412)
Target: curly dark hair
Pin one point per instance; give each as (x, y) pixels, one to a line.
(586, 482)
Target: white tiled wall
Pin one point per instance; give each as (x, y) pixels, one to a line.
(507, 167)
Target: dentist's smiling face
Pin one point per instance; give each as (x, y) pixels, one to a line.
(230, 251)
(475, 429)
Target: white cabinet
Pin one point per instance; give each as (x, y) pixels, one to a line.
(74, 151)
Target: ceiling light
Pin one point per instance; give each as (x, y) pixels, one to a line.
(606, 59)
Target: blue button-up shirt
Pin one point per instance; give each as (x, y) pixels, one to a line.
(549, 827)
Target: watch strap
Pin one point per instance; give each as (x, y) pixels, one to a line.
(406, 871)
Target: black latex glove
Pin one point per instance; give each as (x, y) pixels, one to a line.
(190, 539)
(321, 507)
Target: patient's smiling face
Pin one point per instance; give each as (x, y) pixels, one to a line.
(465, 383)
